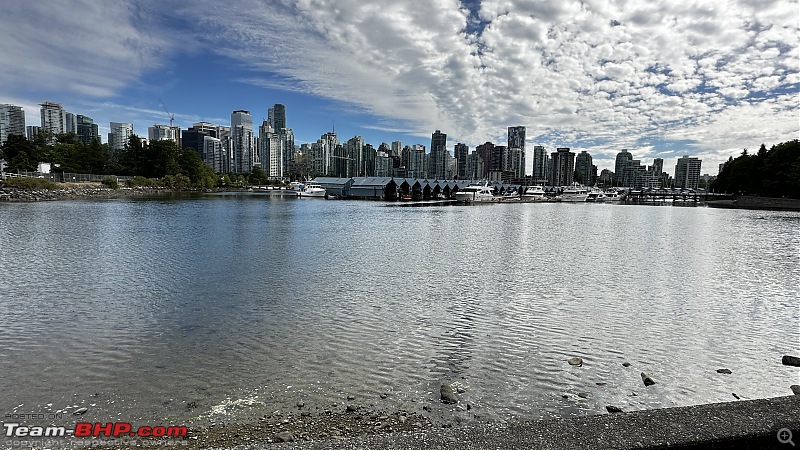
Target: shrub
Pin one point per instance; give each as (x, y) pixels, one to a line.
(31, 183)
(110, 182)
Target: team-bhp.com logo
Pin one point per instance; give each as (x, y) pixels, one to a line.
(86, 429)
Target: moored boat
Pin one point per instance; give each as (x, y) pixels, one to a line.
(312, 190)
(475, 193)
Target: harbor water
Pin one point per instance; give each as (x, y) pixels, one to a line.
(234, 306)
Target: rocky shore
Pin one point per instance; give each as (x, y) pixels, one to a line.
(76, 191)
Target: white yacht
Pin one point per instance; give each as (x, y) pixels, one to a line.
(534, 193)
(296, 186)
(575, 193)
(312, 190)
(475, 193)
(612, 196)
(596, 195)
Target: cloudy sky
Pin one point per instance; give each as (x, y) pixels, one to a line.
(661, 78)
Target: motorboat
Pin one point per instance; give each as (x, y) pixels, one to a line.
(612, 196)
(312, 190)
(575, 193)
(596, 195)
(475, 193)
(296, 186)
(534, 193)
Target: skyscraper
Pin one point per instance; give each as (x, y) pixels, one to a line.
(86, 129)
(118, 138)
(563, 167)
(276, 116)
(437, 164)
(164, 133)
(53, 118)
(539, 164)
(12, 121)
(624, 158)
(687, 172)
(461, 152)
(242, 142)
(516, 139)
(583, 165)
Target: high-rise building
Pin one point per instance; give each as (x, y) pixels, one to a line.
(687, 172)
(53, 118)
(86, 129)
(12, 121)
(624, 158)
(516, 139)
(276, 116)
(583, 165)
(397, 148)
(474, 170)
(70, 123)
(461, 152)
(563, 167)
(485, 151)
(437, 163)
(164, 133)
(118, 138)
(31, 131)
(243, 142)
(539, 164)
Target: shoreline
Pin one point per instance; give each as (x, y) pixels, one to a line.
(757, 203)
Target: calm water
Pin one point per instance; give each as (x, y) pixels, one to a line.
(248, 304)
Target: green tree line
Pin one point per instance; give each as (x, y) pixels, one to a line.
(177, 167)
(768, 173)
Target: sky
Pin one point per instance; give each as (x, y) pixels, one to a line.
(662, 78)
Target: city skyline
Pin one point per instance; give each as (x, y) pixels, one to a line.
(660, 79)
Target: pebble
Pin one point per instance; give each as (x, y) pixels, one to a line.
(583, 395)
(626, 364)
(447, 395)
(795, 389)
(789, 360)
(575, 361)
(725, 371)
(351, 397)
(647, 380)
(613, 409)
(284, 436)
(80, 411)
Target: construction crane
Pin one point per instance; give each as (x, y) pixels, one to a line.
(171, 116)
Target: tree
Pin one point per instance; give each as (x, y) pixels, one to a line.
(19, 153)
(258, 176)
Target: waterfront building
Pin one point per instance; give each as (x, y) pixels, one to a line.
(539, 165)
(413, 158)
(118, 138)
(516, 140)
(213, 153)
(687, 172)
(461, 151)
(437, 162)
(272, 151)
(623, 159)
(354, 150)
(164, 133)
(87, 131)
(243, 142)
(485, 151)
(563, 167)
(53, 119)
(383, 164)
(397, 148)
(475, 167)
(12, 121)
(583, 165)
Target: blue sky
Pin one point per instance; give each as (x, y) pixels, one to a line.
(660, 78)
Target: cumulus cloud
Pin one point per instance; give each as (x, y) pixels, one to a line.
(598, 75)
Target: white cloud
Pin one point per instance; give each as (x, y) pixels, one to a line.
(595, 74)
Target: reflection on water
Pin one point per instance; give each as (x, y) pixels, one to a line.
(138, 307)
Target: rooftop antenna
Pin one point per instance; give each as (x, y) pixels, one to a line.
(333, 123)
(171, 116)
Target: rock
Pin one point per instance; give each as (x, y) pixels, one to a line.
(305, 414)
(601, 383)
(80, 411)
(725, 371)
(735, 396)
(613, 409)
(191, 405)
(448, 396)
(351, 397)
(795, 389)
(301, 404)
(583, 395)
(564, 396)
(351, 408)
(284, 436)
(575, 361)
(647, 380)
(626, 364)
(384, 395)
(790, 361)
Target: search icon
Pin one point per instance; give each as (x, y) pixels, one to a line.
(785, 436)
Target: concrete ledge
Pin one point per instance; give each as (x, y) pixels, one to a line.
(748, 424)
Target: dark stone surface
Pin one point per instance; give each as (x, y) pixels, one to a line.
(447, 395)
(789, 360)
(750, 424)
